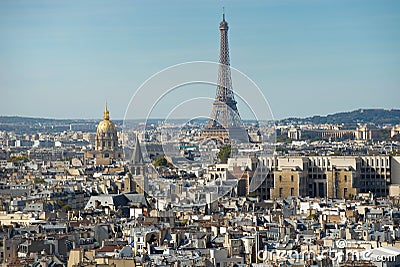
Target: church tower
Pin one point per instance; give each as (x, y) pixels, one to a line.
(138, 170)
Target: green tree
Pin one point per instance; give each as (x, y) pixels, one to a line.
(66, 207)
(23, 158)
(38, 180)
(395, 153)
(224, 153)
(160, 161)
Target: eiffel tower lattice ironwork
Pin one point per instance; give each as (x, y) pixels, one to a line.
(225, 123)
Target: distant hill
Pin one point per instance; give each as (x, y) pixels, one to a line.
(32, 120)
(30, 125)
(349, 119)
(376, 116)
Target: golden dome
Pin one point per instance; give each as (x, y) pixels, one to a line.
(106, 126)
(106, 134)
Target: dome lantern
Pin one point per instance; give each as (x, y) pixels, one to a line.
(106, 113)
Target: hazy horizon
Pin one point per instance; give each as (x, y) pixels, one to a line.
(120, 119)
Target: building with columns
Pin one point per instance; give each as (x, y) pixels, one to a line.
(321, 176)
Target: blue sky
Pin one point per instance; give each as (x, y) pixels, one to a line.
(64, 59)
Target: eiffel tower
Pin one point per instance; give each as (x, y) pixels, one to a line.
(225, 124)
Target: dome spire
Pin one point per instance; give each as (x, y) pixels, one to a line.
(106, 113)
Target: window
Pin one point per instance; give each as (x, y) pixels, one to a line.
(280, 178)
(345, 178)
(280, 192)
(292, 178)
(345, 192)
(292, 191)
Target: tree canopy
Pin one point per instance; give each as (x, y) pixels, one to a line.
(224, 153)
(160, 161)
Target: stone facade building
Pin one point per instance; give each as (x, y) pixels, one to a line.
(323, 176)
